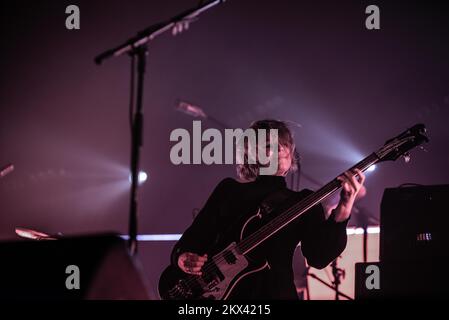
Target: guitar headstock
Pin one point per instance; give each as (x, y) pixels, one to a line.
(403, 143)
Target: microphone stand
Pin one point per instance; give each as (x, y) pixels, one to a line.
(365, 236)
(136, 47)
(365, 218)
(333, 287)
(337, 273)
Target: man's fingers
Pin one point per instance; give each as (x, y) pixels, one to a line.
(361, 176)
(193, 264)
(195, 257)
(342, 179)
(196, 261)
(346, 187)
(196, 269)
(345, 183)
(201, 258)
(348, 183)
(193, 269)
(355, 182)
(351, 179)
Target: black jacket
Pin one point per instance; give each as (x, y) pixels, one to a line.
(232, 203)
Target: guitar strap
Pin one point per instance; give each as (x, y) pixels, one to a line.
(273, 200)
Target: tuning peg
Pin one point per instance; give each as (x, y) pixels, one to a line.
(407, 157)
(186, 25)
(423, 149)
(179, 27)
(175, 29)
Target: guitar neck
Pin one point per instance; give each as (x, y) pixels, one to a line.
(282, 220)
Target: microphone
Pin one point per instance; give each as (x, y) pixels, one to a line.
(197, 112)
(5, 170)
(190, 109)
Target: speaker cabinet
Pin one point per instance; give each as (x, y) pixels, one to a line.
(414, 241)
(414, 222)
(85, 267)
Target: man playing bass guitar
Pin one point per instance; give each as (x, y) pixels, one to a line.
(322, 240)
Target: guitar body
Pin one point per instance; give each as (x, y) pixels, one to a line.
(222, 273)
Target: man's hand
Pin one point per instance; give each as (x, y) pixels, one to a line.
(191, 263)
(352, 182)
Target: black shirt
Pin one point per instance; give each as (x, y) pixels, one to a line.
(232, 203)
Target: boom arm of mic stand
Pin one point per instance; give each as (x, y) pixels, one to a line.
(153, 31)
(137, 47)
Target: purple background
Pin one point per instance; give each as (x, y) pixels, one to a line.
(64, 120)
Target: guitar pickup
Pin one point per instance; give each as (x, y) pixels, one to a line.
(213, 273)
(229, 257)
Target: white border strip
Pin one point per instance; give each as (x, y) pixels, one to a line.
(176, 237)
